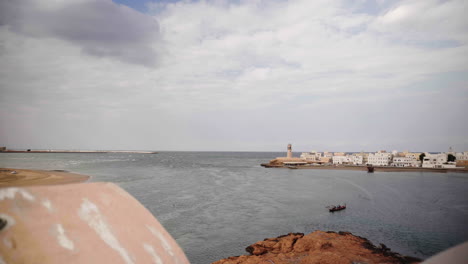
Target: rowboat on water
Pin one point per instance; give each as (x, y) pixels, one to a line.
(333, 208)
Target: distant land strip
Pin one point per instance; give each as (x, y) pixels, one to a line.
(79, 151)
(364, 168)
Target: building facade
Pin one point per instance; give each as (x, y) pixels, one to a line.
(379, 159)
(405, 162)
(434, 160)
(413, 155)
(357, 159)
(461, 159)
(311, 156)
(461, 155)
(340, 160)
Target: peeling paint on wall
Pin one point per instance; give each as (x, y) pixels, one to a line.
(63, 240)
(167, 247)
(90, 213)
(47, 204)
(152, 252)
(10, 193)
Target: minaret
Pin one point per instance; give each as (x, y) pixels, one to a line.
(289, 151)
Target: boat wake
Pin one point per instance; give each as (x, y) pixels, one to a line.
(368, 195)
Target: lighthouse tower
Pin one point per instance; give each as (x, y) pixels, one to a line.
(289, 151)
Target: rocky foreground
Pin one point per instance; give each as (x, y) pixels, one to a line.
(318, 247)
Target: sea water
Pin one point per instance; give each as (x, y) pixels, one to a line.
(217, 203)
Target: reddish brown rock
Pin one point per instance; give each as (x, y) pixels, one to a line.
(318, 247)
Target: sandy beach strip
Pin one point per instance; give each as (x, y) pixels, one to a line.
(21, 177)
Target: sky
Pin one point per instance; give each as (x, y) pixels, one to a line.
(243, 75)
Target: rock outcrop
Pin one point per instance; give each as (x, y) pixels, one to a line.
(318, 247)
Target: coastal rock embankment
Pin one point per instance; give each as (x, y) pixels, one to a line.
(318, 247)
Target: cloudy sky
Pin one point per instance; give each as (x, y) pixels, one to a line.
(236, 75)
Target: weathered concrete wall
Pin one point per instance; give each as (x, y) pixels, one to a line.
(81, 223)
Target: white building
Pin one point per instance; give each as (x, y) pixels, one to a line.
(356, 159)
(461, 155)
(348, 159)
(434, 160)
(380, 158)
(405, 162)
(413, 155)
(311, 156)
(461, 159)
(341, 160)
(363, 158)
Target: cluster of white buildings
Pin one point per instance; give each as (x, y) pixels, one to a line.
(394, 158)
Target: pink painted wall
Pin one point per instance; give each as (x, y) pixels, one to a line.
(81, 223)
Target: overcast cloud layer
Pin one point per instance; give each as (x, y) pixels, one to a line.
(234, 75)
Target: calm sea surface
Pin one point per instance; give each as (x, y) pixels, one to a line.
(217, 203)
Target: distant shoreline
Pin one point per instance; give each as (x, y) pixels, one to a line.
(364, 168)
(80, 152)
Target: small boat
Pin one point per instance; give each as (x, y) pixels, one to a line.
(370, 169)
(334, 208)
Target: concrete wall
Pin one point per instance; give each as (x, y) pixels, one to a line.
(81, 223)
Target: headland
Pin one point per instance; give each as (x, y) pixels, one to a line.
(380, 161)
(318, 247)
(364, 168)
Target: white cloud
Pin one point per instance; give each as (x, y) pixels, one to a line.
(233, 74)
(426, 21)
